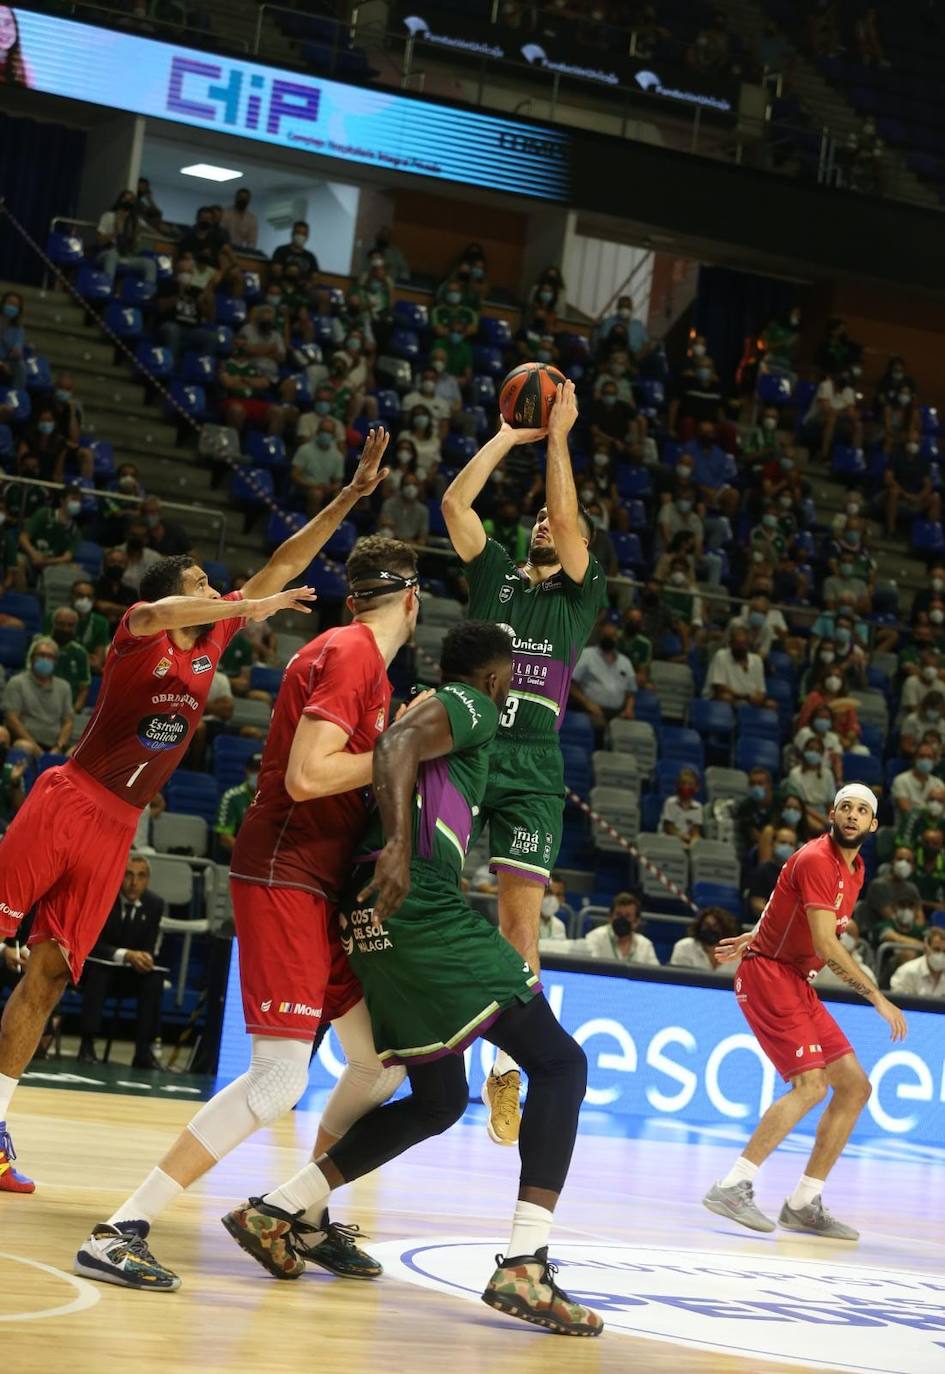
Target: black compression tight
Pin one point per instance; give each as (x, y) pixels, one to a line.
(557, 1079)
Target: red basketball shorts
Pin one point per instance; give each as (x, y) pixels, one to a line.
(293, 971)
(65, 854)
(790, 1022)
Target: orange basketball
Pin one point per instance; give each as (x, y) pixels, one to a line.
(527, 393)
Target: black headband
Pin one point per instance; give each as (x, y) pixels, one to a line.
(397, 581)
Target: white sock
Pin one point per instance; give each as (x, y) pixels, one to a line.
(307, 1191)
(156, 1193)
(504, 1063)
(741, 1171)
(805, 1192)
(531, 1227)
(8, 1087)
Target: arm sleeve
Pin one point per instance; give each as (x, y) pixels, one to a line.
(486, 576)
(473, 717)
(816, 884)
(341, 689)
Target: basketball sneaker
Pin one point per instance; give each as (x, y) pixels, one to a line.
(119, 1254)
(335, 1248)
(11, 1180)
(500, 1093)
(738, 1204)
(815, 1220)
(268, 1234)
(525, 1287)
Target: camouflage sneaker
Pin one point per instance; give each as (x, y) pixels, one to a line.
(525, 1287)
(119, 1254)
(816, 1221)
(500, 1093)
(267, 1233)
(335, 1248)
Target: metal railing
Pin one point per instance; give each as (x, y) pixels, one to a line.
(161, 28)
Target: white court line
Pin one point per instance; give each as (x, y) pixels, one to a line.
(87, 1295)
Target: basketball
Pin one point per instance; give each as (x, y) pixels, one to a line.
(527, 393)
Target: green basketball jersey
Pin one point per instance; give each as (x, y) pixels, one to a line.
(449, 789)
(549, 623)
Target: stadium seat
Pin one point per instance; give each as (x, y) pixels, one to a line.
(410, 315)
(17, 404)
(38, 373)
(12, 648)
(25, 607)
(124, 321)
(863, 768)
(669, 855)
(927, 537)
(231, 311)
(725, 783)
(441, 610)
(615, 769)
(230, 756)
(459, 448)
(757, 721)
(488, 360)
(714, 862)
(198, 369)
(680, 744)
(93, 286)
(646, 707)
(281, 526)
(713, 720)
(217, 573)
(403, 343)
(262, 678)
(156, 362)
(636, 737)
(177, 833)
(103, 459)
(266, 450)
(576, 729)
(193, 794)
(251, 487)
(482, 391)
(65, 249)
(629, 552)
(753, 751)
(673, 684)
(192, 400)
(89, 555)
(726, 896)
(135, 291)
(495, 333)
(774, 389)
(342, 541)
(388, 406)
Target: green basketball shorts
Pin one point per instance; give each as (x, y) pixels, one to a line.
(523, 808)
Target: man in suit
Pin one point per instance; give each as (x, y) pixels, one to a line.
(122, 962)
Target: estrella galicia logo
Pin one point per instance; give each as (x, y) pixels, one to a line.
(837, 1316)
(203, 664)
(648, 80)
(162, 732)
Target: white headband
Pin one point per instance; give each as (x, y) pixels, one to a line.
(858, 792)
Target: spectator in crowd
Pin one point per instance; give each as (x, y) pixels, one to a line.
(908, 489)
(447, 385)
(506, 529)
(735, 673)
(51, 537)
(813, 782)
(166, 537)
(12, 342)
(921, 676)
(634, 329)
(820, 727)
(37, 704)
(697, 949)
(621, 937)
(637, 646)
(149, 212)
(913, 786)
(122, 963)
(834, 414)
(72, 664)
(549, 291)
(237, 662)
(682, 813)
(601, 545)
(551, 925)
(186, 308)
(42, 441)
(756, 813)
(826, 688)
(234, 804)
(905, 928)
(923, 976)
(925, 719)
(456, 305)
(869, 45)
(246, 379)
(425, 439)
(208, 243)
(766, 628)
(405, 514)
(888, 891)
(712, 471)
(138, 556)
(239, 220)
(912, 825)
(680, 606)
(425, 394)
(113, 593)
(765, 875)
(118, 238)
(902, 422)
(92, 628)
(262, 341)
(393, 260)
(604, 683)
(696, 397)
(318, 467)
(377, 286)
(930, 865)
(11, 781)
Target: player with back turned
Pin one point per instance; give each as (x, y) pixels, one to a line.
(798, 933)
(549, 607)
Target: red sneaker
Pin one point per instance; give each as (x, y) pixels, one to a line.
(11, 1180)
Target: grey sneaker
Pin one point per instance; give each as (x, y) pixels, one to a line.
(816, 1220)
(738, 1204)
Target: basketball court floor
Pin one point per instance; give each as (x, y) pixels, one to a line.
(680, 1289)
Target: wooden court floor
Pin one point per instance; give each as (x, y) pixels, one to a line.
(87, 1151)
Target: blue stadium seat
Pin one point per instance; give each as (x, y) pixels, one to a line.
(18, 403)
(714, 721)
(847, 461)
(862, 768)
(103, 458)
(252, 287)
(194, 794)
(774, 389)
(482, 391)
(191, 399)
(929, 419)
(488, 360)
(752, 751)
(65, 249)
(262, 678)
(89, 554)
(198, 369)
(629, 551)
(495, 333)
(388, 406)
(718, 894)
(230, 753)
(157, 362)
(757, 721)
(342, 541)
(282, 525)
(231, 311)
(38, 373)
(25, 608)
(93, 286)
(327, 580)
(681, 745)
(577, 730)
(410, 315)
(403, 343)
(135, 291)
(633, 482)
(479, 417)
(6, 441)
(577, 769)
(647, 707)
(781, 667)
(266, 450)
(223, 340)
(459, 447)
(163, 264)
(251, 486)
(124, 321)
(12, 647)
(218, 574)
(652, 393)
(928, 537)
(50, 760)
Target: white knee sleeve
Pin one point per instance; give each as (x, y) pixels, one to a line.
(275, 1080)
(365, 1082)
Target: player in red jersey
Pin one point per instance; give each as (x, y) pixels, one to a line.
(289, 863)
(799, 932)
(66, 851)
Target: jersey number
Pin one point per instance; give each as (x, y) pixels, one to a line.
(137, 773)
(507, 718)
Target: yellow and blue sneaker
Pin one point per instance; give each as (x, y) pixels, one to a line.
(11, 1180)
(119, 1254)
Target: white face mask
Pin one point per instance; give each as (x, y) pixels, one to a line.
(833, 683)
(847, 940)
(905, 916)
(936, 960)
(902, 868)
(549, 905)
(83, 604)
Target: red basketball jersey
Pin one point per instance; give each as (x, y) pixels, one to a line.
(339, 677)
(815, 877)
(152, 696)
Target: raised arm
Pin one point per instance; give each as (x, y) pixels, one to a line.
(823, 928)
(423, 733)
(564, 516)
(465, 528)
(187, 612)
(292, 558)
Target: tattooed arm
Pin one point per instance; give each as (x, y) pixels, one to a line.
(823, 926)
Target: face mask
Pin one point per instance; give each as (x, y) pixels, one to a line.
(934, 808)
(377, 261)
(709, 935)
(184, 278)
(847, 940)
(930, 672)
(785, 502)
(455, 336)
(932, 716)
(757, 791)
(622, 927)
(904, 398)
(274, 301)
(298, 240)
(62, 395)
(912, 448)
(543, 355)
(905, 916)
(476, 273)
(787, 464)
(684, 506)
(769, 423)
(821, 725)
(623, 313)
(686, 790)
(152, 520)
(438, 364)
(421, 422)
(609, 398)
(783, 851)
(704, 374)
(938, 584)
(46, 426)
(936, 960)
(833, 683)
(73, 508)
(322, 407)
(756, 619)
(846, 569)
(549, 905)
(923, 766)
(769, 521)
(791, 817)
(936, 616)
(127, 483)
(404, 456)
(684, 471)
(428, 387)
(83, 604)
(546, 296)
(902, 868)
(410, 493)
(698, 350)
(323, 440)
(812, 758)
(678, 579)
(10, 310)
(454, 297)
(853, 537)
(43, 665)
(587, 494)
(827, 656)
(842, 636)
(251, 780)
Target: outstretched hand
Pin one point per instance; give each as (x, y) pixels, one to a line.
(564, 411)
(522, 436)
(369, 473)
(293, 599)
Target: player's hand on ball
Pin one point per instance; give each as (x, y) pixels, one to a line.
(391, 882)
(522, 436)
(369, 474)
(732, 948)
(893, 1018)
(292, 599)
(564, 412)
